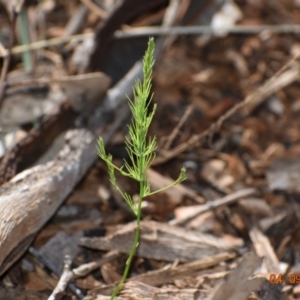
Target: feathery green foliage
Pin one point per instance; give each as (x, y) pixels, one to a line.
(140, 149)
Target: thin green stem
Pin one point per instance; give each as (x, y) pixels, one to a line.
(179, 180)
(134, 245)
(163, 189)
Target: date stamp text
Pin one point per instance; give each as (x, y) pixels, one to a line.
(289, 279)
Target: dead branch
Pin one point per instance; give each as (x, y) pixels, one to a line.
(200, 209)
(31, 198)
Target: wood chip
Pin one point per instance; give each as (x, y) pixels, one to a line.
(163, 242)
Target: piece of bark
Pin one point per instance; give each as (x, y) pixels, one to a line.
(60, 245)
(141, 291)
(163, 276)
(162, 242)
(238, 286)
(31, 198)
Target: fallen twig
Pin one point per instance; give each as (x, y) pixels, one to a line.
(157, 31)
(69, 275)
(62, 282)
(278, 81)
(200, 209)
(59, 290)
(196, 30)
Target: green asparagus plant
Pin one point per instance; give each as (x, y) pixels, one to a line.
(141, 152)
